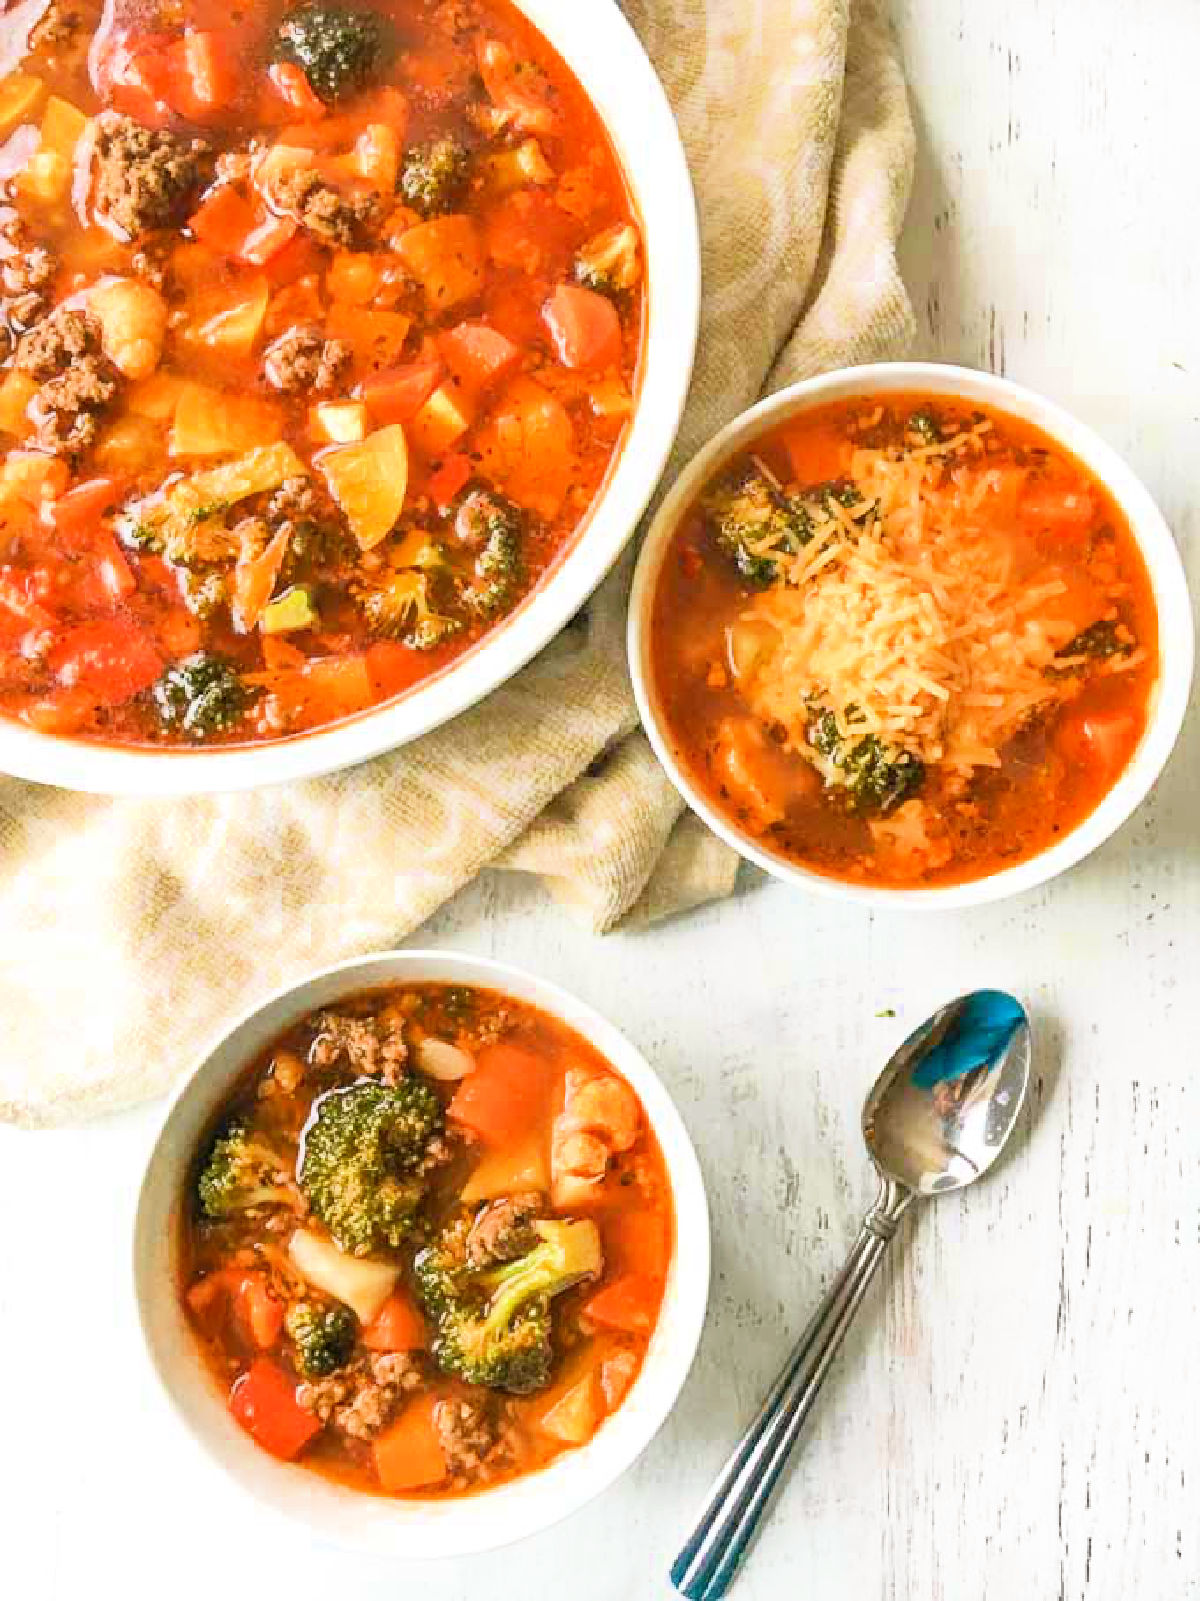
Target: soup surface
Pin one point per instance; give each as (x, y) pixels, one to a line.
(426, 1243)
(319, 333)
(904, 644)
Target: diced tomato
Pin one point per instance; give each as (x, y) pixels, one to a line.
(115, 572)
(266, 239)
(505, 1095)
(294, 89)
(259, 1313)
(263, 1400)
(449, 479)
(395, 667)
(529, 231)
(1098, 739)
(397, 393)
(629, 1303)
(23, 596)
(584, 327)
(300, 257)
(409, 1455)
(205, 76)
(1064, 510)
(62, 713)
(397, 1326)
(638, 1243)
(112, 659)
(224, 221)
(478, 355)
(278, 654)
(80, 509)
(135, 74)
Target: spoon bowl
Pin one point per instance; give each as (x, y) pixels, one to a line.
(943, 1108)
(935, 1120)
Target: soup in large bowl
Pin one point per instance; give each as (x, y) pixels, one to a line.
(322, 332)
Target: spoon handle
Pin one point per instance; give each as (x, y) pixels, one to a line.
(705, 1568)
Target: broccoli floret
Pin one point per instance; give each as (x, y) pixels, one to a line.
(401, 606)
(874, 776)
(362, 1158)
(492, 526)
(201, 695)
(494, 1325)
(324, 1336)
(339, 50)
(1101, 640)
(497, 576)
(756, 524)
(242, 1172)
(434, 176)
(609, 263)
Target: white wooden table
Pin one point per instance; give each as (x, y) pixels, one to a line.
(1019, 1413)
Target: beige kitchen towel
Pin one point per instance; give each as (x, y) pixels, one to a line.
(130, 929)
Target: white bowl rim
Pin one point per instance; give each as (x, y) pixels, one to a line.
(600, 47)
(1164, 565)
(412, 1529)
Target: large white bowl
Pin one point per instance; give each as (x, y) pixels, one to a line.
(404, 1528)
(602, 50)
(1176, 641)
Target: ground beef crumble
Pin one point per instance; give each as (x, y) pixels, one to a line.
(503, 1230)
(302, 360)
(26, 272)
(372, 1046)
(77, 381)
(467, 1432)
(363, 1397)
(145, 178)
(331, 217)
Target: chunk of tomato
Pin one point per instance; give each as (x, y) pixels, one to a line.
(263, 1400)
(80, 509)
(398, 393)
(113, 659)
(477, 354)
(1064, 510)
(1101, 740)
(584, 328)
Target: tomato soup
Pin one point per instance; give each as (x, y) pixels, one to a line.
(426, 1242)
(320, 331)
(906, 643)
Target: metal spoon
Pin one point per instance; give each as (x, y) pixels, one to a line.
(938, 1117)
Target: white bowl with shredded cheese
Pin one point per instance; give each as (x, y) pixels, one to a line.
(1169, 696)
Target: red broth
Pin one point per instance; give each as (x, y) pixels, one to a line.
(540, 1145)
(904, 644)
(328, 381)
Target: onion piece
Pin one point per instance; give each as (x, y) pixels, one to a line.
(363, 1285)
(441, 1060)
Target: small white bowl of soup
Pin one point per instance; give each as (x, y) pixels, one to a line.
(422, 1254)
(911, 635)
